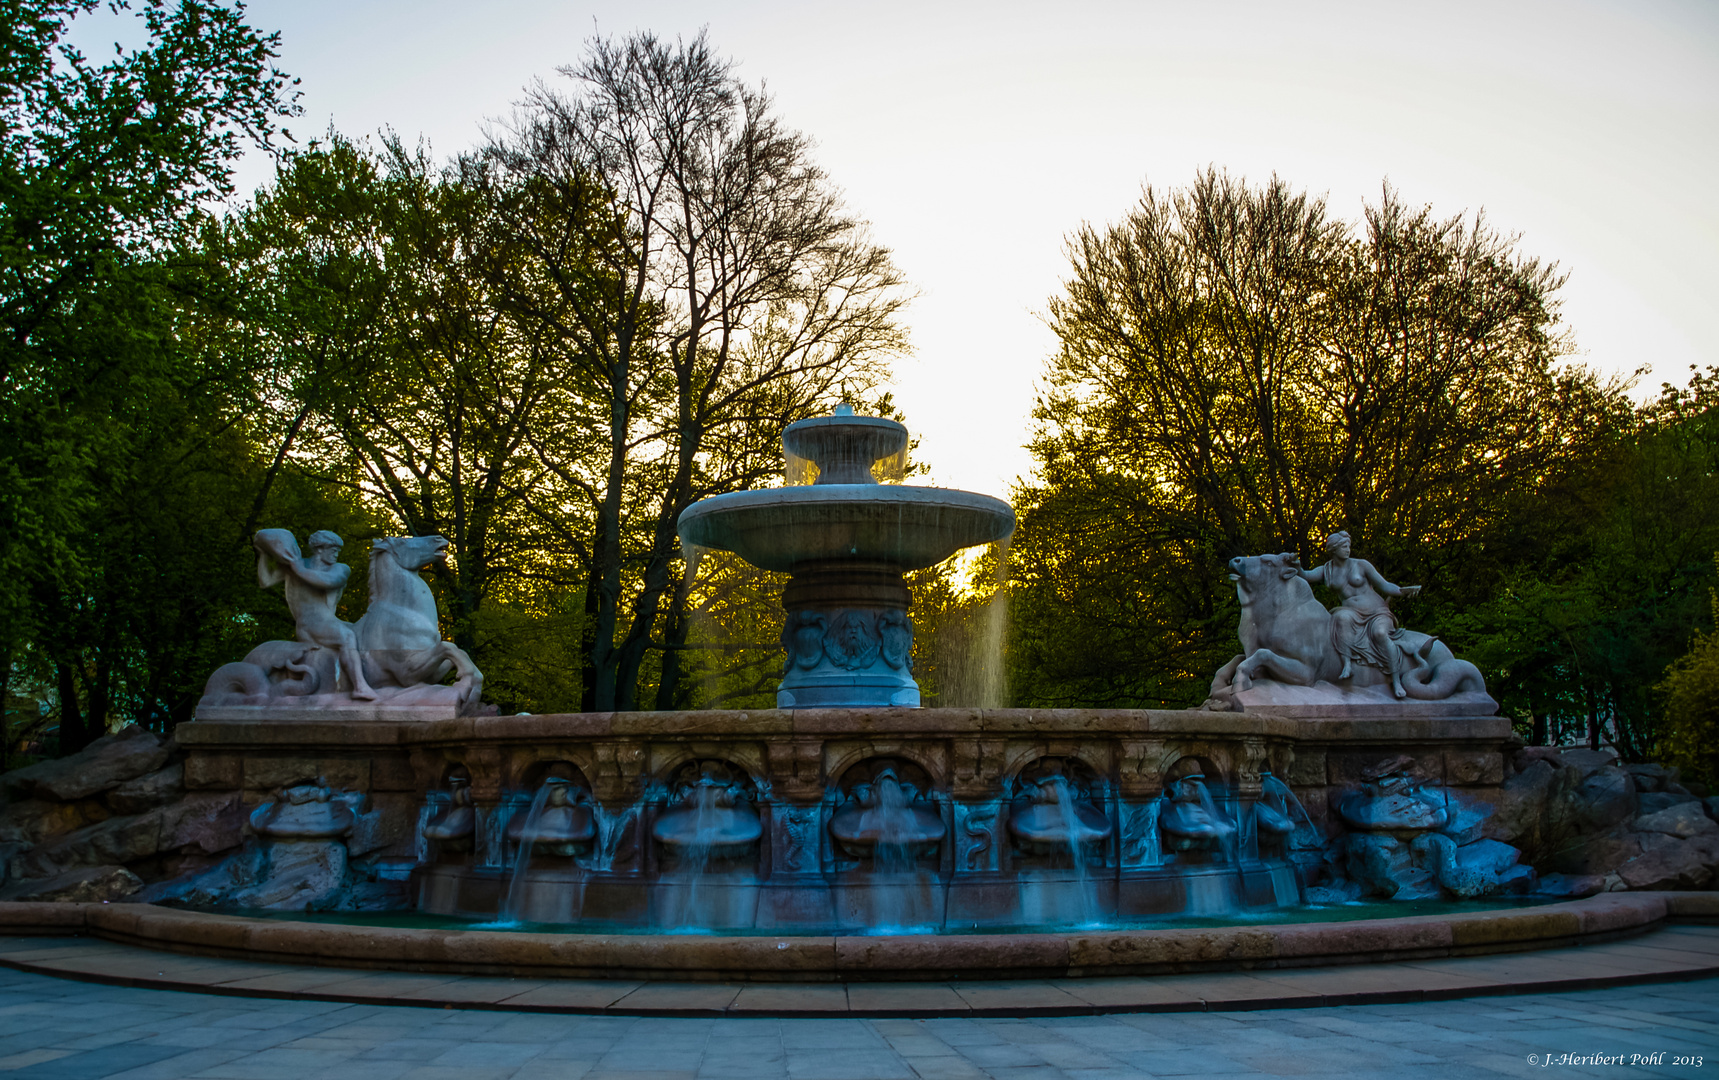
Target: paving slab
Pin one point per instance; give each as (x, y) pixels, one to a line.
(571, 995)
(905, 999)
(670, 999)
(784, 999)
(1038, 997)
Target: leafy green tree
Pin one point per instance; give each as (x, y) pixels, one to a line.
(104, 171)
(1691, 689)
(1593, 584)
(1239, 373)
(729, 295)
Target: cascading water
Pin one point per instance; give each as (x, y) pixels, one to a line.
(421, 848)
(707, 836)
(1201, 831)
(1285, 886)
(492, 848)
(513, 902)
(1056, 824)
(1086, 899)
(611, 830)
(887, 830)
(695, 861)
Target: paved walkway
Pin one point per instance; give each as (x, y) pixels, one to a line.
(1675, 952)
(57, 1029)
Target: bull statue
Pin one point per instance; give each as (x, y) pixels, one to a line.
(1289, 637)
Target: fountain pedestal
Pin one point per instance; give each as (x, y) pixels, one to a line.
(845, 540)
(848, 639)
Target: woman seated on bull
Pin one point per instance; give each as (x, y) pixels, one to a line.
(1363, 629)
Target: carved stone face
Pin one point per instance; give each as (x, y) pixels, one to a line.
(808, 645)
(851, 642)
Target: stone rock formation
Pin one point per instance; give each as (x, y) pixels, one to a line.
(106, 820)
(115, 822)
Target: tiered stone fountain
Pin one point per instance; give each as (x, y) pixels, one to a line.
(845, 540)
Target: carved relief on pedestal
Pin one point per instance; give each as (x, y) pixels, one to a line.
(976, 847)
(974, 766)
(798, 769)
(617, 771)
(1140, 845)
(852, 642)
(794, 845)
(1254, 757)
(1140, 768)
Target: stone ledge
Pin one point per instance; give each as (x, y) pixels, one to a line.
(333, 730)
(861, 959)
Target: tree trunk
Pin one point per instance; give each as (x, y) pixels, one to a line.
(669, 694)
(5, 712)
(71, 715)
(588, 646)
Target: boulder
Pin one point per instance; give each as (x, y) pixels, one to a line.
(206, 822)
(1712, 805)
(283, 875)
(209, 822)
(1684, 864)
(87, 884)
(1649, 777)
(1523, 801)
(36, 820)
(1596, 854)
(1588, 760)
(1530, 754)
(1468, 817)
(116, 840)
(1683, 820)
(1488, 857)
(1655, 801)
(1605, 797)
(148, 791)
(1571, 886)
(106, 763)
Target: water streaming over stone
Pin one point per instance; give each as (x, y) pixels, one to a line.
(513, 902)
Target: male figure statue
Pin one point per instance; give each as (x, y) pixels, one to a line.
(313, 588)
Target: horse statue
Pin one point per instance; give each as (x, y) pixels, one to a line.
(399, 635)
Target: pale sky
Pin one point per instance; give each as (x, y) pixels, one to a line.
(975, 137)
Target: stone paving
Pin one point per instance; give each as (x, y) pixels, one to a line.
(55, 1029)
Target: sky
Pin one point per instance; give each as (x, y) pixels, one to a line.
(976, 137)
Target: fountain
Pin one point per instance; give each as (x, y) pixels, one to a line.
(845, 541)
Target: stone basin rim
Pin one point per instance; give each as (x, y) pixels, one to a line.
(723, 521)
(908, 958)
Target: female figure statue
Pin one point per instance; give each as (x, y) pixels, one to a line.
(1363, 628)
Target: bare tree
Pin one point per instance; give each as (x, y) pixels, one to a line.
(714, 291)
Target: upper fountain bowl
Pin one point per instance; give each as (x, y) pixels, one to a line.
(845, 515)
(911, 527)
(844, 446)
